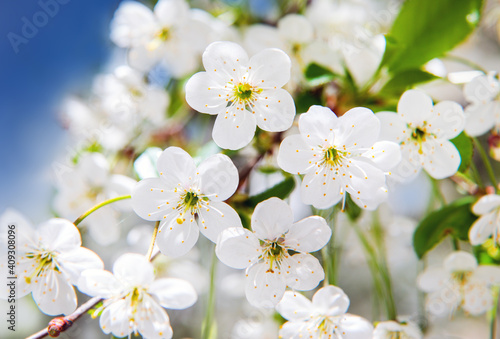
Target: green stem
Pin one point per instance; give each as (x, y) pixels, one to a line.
(465, 62)
(437, 191)
(96, 207)
(455, 243)
(329, 254)
(493, 315)
(208, 329)
(487, 163)
(153, 239)
(475, 172)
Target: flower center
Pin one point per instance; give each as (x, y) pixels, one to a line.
(274, 252)
(461, 276)
(163, 34)
(333, 157)
(418, 135)
(190, 202)
(396, 335)
(45, 260)
(243, 91)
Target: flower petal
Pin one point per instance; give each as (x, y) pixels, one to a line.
(270, 68)
(460, 261)
(331, 300)
(237, 247)
(295, 156)
(358, 127)
(59, 235)
(215, 218)
(317, 125)
(205, 94)
(274, 110)
(433, 279)
(482, 229)
(355, 327)
(173, 293)
(415, 107)
(486, 204)
(488, 274)
(234, 129)
(74, 262)
(131, 23)
(321, 188)
(295, 307)
(98, 282)
(442, 158)
(296, 28)
(94, 168)
(308, 235)
(264, 288)
(152, 199)
(303, 271)
(133, 269)
(392, 127)
(176, 167)
(155, 323)
(385, 154)
(116, 319)
(481, 89)
(480, 118)
(271, 219)
(171, 12)
(294, 330)
(447, 120)
(57, 296)
(223, 60)
(176, 239)
(219, 177)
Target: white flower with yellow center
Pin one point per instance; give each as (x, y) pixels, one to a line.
(242, 92)
(396, 330)
(265, 252)
(187, 199)
(459, 283)
(423, 131)
(488, 224)
(339, 155)
(134, 300)
(49, 260)
(324, 317)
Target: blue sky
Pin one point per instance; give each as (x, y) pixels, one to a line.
(59, 59)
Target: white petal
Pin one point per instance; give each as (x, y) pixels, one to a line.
(294, 330)
(482, 229)
(98, 282)
(156, 323)
(358, 127)
(152, 199)
(173, 293)
(120, 185)
(481, 89)
(59, 235)
(363, 179)
(264, 288)
(171, 12)
(176, 239)
(331, 300)
(237, 247)
(415, 107)
(317, 125)
(215, 218)
(103, 235)
(219, 177)
(302, 271)
(486, 204)
(205, 94)
(442, 158)
(295, 156)
(94, 167)
(176, 166)
(385, 154)
(488, 274)
(294, 306)
(271, 219)
(57, 297)
(433, 279)
(447, 120)
(74, 262)
(308, 235)
(480, 118)
(355, 327)
(460, 261)
(269, 68)
(274, 110)
(392, 127)
(133, 269)
(144, 59)
(223, 60)
(119, 322)
(477, 299)
(234, 129)
(319, 190)
(296, 28)
(131, 24)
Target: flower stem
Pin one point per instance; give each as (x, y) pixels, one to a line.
(328, 253)
(437, 191)
(209, 328)
(153, 238)
(465, 62)
(487, 163)
(96, 207)
(475, 172)
(493, 314)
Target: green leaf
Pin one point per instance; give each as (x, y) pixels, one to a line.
(402, 81)
(306, 99)
(465, 147)
(317, 75)
(426, 29)
(454, 219)
(281, 190)
(353, 210)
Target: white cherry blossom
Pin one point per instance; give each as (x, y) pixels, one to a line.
(323, 317)
(423, 131)
(50, 260)
(242, 92)
(459, 283)
(488, 224)
(393, 329)
(264, 252)
(134, 299)
(339, 156)
(170, 33)
(483, 113)
(187, 199)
